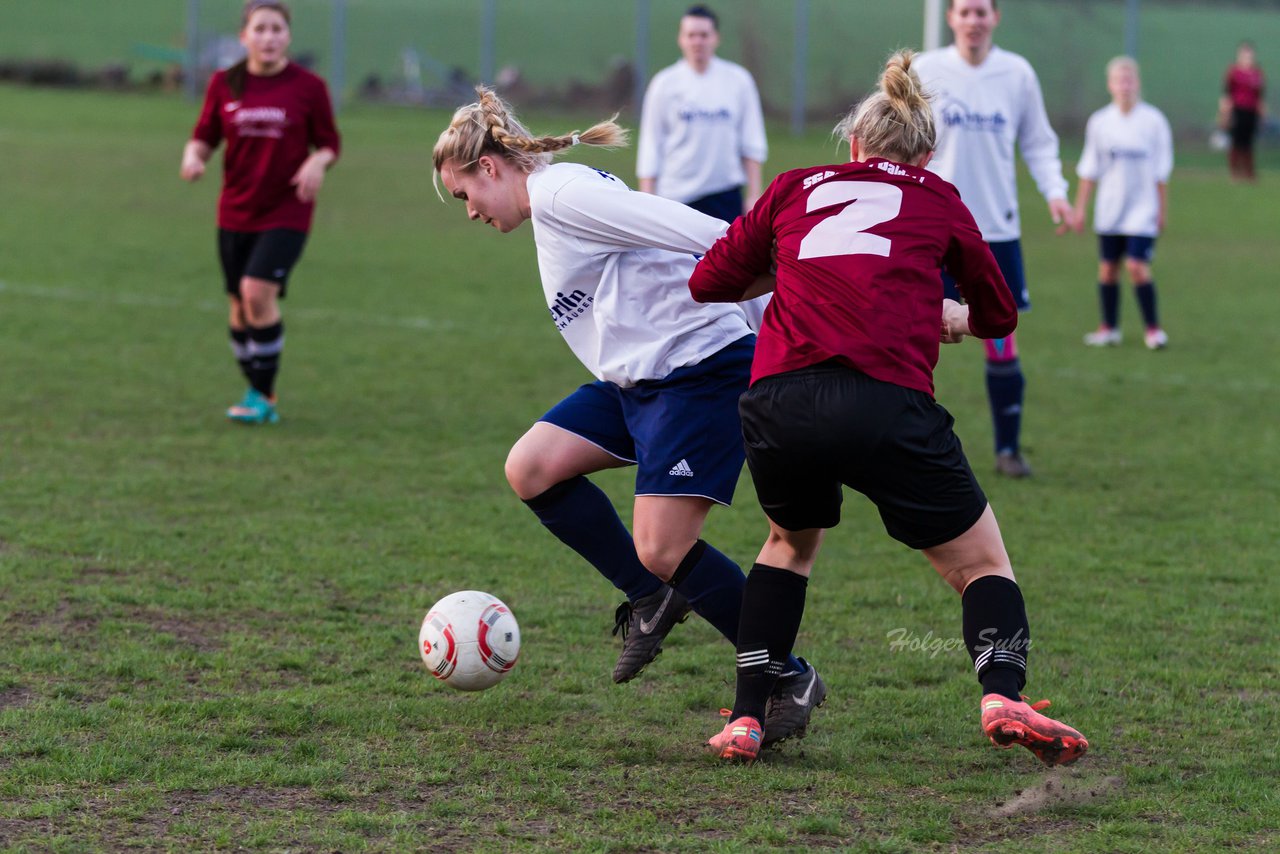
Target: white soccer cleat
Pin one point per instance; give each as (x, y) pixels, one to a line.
(1156, 339)
(1104, 337)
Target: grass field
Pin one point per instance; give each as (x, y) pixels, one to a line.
(210, 631)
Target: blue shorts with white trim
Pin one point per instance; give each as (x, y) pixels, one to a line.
(1008, 255)
(682, 431)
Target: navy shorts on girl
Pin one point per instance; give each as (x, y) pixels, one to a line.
(682, 431)
(1008, 255)
(1112, 246)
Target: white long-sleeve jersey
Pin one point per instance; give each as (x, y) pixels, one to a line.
(1129, 155)
(615, 268)
(696, 128)
(981, 113)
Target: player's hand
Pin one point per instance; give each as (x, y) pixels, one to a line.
(1063, 216)
(308, 179)
(955, 322)
(192, 167)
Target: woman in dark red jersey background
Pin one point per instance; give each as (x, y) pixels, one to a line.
(842, 393)
(277, 120)
(1241, 110)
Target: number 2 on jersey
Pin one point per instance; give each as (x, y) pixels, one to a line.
(845, 233)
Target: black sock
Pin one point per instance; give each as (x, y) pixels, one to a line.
(1109, 302)
(265, 346)
(713, 584)
(772, 607)
(1005, 390)
(1146, 294)
(997, 635)
(582, 517)
(240, 348)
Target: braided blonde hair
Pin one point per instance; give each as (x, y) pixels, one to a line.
(490, 127)
(895, 123)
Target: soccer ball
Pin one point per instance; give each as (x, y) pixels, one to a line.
(469, 640)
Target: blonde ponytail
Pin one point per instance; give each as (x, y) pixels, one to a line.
(895, 123)
(489, 126)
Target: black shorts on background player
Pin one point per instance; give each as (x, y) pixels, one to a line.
(269, 255)
(811, 430)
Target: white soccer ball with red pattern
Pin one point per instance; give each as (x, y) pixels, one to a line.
(469, 640)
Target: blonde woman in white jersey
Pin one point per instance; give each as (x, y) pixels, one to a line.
(1128, 155)
(987, 101)
(615, 266)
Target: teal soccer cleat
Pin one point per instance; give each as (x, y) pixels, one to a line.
(254, 408)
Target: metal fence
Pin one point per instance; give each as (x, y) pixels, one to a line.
(811, 58)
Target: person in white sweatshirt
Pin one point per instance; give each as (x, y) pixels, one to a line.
(615, 267)
(702, 137)
(987, 101)
(1128, 156)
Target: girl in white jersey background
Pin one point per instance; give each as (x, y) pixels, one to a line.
(986, 102)
(1128, 155)
(702, 137)
(615, 266)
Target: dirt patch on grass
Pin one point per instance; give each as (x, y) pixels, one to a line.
(203, 634)
(1058, 788)
(12, 829)
(64, 620)
(93, 574)
(15, 697)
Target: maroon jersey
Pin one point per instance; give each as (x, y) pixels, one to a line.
(859, 248)
(270, 130)
(1244, 87)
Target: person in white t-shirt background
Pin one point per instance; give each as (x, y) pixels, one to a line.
(987, 101)
(702, 138)
(1128, 155)
(615, 267)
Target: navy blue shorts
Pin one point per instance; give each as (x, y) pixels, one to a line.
(725, 205)
(1008, 254)
(1112, 246)
(682, 432)
(268, 255)
(809, 431)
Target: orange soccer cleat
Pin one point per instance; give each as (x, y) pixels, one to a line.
(739, 741)
(1008, 722)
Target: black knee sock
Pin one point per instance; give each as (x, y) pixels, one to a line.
(997, 635)
(1146, 294)
(772, 607)
(266, 343)
(713, 584)
(1109, 302)
(582, 517)
(1005, 390)
(240, 348)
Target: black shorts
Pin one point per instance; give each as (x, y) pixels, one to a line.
(809, 431)
(1244, 127)
(268, 255)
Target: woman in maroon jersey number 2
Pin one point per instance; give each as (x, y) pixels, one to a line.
(842, 393)
(277, 120)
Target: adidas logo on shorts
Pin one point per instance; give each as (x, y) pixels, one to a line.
(682, 469)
